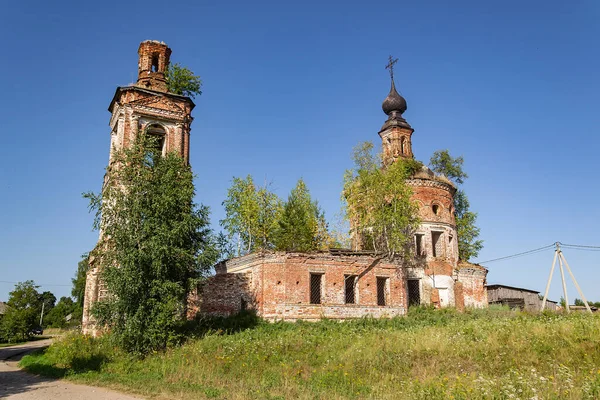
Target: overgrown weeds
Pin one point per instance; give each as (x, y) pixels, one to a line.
(430, 354)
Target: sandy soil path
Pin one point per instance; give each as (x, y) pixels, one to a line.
(18, 385)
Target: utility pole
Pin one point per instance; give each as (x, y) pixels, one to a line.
(42, 314)
(563, 264)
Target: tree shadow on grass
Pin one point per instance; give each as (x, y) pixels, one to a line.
(204, 325)
(37, 364)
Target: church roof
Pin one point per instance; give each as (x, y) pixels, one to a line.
(394, 102)
(426, 173)
(149, 91)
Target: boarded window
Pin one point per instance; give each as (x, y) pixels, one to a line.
(315, 288)
(414, 292)
(382, 291)
(437, 244)
(350, 288)
(419, 245)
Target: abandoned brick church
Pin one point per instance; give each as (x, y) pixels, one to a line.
(334, 284)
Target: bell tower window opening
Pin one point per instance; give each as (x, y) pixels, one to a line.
(154, 67)
(157, 137)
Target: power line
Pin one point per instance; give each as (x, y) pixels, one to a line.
(578, 248)
(581, 246)
(538, 250)
(519, 254)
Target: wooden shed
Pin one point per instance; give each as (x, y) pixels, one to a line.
(514, 297)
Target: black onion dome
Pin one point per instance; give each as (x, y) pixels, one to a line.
(394, 102)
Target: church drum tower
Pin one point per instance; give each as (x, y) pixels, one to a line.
(433, 279)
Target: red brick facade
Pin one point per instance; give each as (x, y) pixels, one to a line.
(278, 286)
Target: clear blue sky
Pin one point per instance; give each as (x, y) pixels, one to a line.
(289, 89)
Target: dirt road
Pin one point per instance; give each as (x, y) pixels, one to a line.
(18, 385)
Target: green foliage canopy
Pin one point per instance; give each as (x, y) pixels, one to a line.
(302, 225)
(468, 245)
(251, 215)
(78, 290)
(57, 317)
(378, 202)
(182, 81)
(23, 314)
(157, 243)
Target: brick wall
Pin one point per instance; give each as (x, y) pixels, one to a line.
(473, 280)
(278, 286)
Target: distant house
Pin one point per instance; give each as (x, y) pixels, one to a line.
(3, 308)
(514, 297)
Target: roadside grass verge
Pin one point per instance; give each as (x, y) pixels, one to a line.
(441, 354)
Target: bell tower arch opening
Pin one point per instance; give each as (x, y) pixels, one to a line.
(157, 134)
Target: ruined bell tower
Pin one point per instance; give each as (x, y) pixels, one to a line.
(143, 108)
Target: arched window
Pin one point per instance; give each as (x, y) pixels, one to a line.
(157, 135)
(402, 146)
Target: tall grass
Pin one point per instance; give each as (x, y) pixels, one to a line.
(441, 354)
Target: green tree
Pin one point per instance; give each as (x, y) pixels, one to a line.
(78, 290)
(468, 245)
(182, 81)
(378, 202)
(154, 248)
(23, 313)
(302, 225)
(57, 317)
(251, 215)
(48, 299)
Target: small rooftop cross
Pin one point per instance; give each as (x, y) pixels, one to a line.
(390, 66)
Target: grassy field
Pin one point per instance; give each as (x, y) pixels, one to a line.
(486, 354)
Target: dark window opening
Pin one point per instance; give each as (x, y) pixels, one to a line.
(437, 244)
(350, 288)
(419, 244)
(414, 292)
(435, 209)
(243, 305)
(155, 63)
(157, 136)
(381, 291)
(315, 288)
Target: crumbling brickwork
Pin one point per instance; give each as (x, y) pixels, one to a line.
(472, 278)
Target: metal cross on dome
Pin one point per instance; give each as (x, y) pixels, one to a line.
(390, 66)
